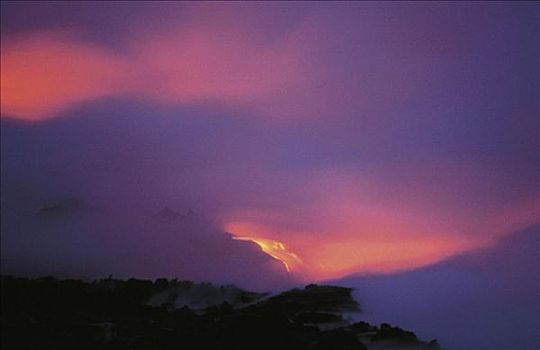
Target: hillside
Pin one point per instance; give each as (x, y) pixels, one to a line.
(47, 313)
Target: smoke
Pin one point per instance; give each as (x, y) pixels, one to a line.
(86, 198)
(493, 291)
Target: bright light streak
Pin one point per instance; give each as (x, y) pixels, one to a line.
(275, 249)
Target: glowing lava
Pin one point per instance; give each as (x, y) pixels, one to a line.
(275, 249)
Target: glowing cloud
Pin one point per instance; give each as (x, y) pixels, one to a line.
(353, 224)
(230, 62)
(45, 73)
(326, 256)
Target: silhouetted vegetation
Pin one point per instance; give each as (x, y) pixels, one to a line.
(47, 313)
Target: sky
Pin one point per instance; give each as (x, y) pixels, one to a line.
(265, 144)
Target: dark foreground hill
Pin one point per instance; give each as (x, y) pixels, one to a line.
(47, 313)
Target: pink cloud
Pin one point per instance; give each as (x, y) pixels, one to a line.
(300, 73)
(208, 64)
(347, 221)
(46, 73)
(43, 74)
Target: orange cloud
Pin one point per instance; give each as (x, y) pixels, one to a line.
(43, 74)
(229, 61)
(333, 254)
(352, 223)
(301, 73)
(46, 73)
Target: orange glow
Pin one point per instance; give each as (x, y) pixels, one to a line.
(347, 223)
(276, 250)
(341, 256)
(44, 74)
(333, 256)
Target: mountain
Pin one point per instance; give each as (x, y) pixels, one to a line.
(47, 313)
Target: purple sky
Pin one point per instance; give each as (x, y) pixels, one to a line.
(365, 138)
